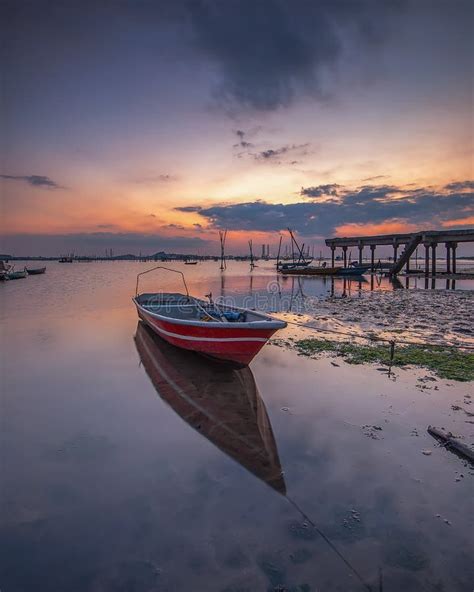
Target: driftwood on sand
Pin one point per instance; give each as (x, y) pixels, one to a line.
(451, 442)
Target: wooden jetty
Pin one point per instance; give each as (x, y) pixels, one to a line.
(430, 239)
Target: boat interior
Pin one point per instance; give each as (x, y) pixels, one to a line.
(179, 306)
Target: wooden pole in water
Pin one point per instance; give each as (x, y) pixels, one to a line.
(344, 250)
(252, 264)
(332, 255)
(372, 257)
(427, 259)
(294, 243)
(223, 236)
(448, 257)
(279, 250)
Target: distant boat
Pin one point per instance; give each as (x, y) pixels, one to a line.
(227, 333)
(309, 270)
(14, 275)
(190, 262)
(35, 270)
(355, 270)
(65, 260)
(294, 264)
(220, 403)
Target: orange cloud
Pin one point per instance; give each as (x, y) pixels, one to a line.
(353, 229)
(458, 222)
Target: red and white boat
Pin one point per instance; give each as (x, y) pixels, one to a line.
(223, 332)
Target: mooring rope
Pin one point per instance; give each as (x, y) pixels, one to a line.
(305, 516)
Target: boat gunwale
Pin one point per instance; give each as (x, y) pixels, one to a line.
(267, 321)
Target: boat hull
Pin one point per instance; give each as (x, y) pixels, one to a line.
(235, 346)
(310, 271)
(355, 270)
(324, 271)
(36, 271)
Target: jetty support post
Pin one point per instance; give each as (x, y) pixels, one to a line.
(454, 246)
(395, 251)
(372, 258)
(344, 250)
(361, 248)
(333, 248)
(427, 259)
(448, 257)
(433, 258)
(407, 266)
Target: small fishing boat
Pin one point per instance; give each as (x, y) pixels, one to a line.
(190, 262)
(35, 270)
(221, 403)
(228, 333)
(354, 269)
(293, 265)
(66, 259)
(14, 275)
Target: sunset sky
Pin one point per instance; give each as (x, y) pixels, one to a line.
(148, 126)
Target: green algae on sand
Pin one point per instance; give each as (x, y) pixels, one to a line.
(445, 361)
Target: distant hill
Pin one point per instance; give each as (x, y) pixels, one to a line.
(126, 257)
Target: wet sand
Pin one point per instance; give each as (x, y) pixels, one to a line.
(442, 317)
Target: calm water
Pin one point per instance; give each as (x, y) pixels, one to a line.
(129, 466)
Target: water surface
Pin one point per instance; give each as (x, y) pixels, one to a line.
(130, 466)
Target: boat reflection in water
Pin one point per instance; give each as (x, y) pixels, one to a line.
(221, 403)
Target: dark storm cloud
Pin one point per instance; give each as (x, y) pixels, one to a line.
(261, 54)
(270, 51)
(320, 190)
(34, 180)
(365, 205)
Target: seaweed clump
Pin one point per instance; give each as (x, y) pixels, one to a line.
(445, 361)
